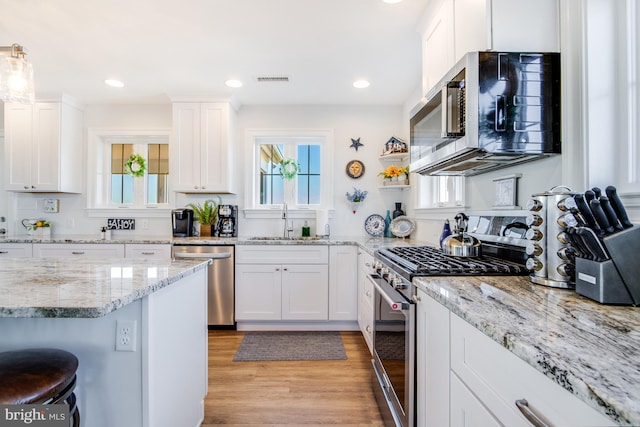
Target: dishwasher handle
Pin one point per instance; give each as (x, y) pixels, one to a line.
(222, 255)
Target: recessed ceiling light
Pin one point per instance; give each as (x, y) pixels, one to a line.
(114, 83)
(233, 83)
(361, 84)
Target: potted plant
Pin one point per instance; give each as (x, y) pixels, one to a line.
(206, 215)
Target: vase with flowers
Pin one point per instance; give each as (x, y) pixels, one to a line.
(356, 198)
(395, 175)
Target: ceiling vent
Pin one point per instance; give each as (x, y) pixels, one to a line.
(272, 79)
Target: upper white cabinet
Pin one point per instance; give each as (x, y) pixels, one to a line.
(460, 26)
(43, 147)
(202, 148)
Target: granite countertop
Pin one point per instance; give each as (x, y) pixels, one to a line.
(61, 287)
(86, 238)
(591, 350)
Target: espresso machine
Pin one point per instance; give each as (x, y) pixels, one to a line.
(227, 225)
(182, 222)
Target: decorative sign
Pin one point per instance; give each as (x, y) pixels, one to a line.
(121, 224)
(506, 191)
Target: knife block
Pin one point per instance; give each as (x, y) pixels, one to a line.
(616, 280)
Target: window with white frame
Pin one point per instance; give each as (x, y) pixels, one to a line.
(311, 185)
(110, 184)
(440, 191)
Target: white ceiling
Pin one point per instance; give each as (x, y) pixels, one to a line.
(162, 49)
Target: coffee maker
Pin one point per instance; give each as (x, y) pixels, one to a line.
(182, 222)
(227, 225)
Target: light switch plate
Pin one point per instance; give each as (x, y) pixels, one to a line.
(52, 205)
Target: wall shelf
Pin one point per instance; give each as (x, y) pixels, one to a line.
(394, 187)
(394, 157)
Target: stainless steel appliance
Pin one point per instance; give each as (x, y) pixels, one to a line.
(394, 326)
(227, 224)
(221, 278)
(490, 111)
(182, 222)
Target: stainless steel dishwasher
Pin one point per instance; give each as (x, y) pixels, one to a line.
(221, 295)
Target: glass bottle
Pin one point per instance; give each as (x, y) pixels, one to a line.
(446, 232)
(306, 231)
(398, 212)
(387, 222)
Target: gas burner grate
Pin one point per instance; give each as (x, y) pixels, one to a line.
(430, 261)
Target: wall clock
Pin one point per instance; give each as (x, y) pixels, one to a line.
(355, 169)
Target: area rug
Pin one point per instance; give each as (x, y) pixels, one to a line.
(287, 345)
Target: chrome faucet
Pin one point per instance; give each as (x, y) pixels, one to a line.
(286, 228)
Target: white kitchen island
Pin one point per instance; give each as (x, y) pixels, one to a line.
(76, 305)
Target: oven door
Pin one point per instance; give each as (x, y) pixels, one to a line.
(394, 354)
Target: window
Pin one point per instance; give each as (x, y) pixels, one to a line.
(310, 149)
(125, 188)
(111, 187)
(440, 191)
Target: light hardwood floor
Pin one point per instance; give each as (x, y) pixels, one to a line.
(287, 393)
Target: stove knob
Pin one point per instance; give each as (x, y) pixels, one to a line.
(398, 283)
(534, 264)
(391, 277)
(533, 249)
(533, 234)
(534, 205)
(384, 272)
(533, 220)
(377, 265)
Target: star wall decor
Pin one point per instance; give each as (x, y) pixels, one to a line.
(355, 143)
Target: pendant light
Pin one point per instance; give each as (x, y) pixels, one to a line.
(16, 75)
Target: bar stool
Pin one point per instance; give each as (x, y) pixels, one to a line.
(39, 376)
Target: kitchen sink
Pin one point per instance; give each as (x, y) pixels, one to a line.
(272, 238)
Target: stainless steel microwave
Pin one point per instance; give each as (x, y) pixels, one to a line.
(492, 110)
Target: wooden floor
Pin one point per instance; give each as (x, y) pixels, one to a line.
(284, 393)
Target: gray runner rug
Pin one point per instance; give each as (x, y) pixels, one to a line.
(287, 345)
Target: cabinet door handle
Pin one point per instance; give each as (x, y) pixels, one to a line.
(4, 252)
(77, 252)
(285, 269)
(148, 253)
(531, 416)
(277, 269)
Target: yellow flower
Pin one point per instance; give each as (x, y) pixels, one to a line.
(392, 171)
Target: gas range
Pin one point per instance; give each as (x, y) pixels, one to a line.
(503, 254)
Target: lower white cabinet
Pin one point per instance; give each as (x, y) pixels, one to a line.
(147, 251)
(268, 290)
(365, 297)
(465, 379)
(343, 279)
(432, 362)
(499, 379)
(16, 250)
(56, 250)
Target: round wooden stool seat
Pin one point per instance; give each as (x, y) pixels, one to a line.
(39, 376)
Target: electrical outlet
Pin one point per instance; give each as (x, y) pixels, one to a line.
(125, 335)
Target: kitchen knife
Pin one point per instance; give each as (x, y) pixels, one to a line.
(592, 243)
(577, 244)
(585, 210)
(589, 196)
(596, 192)
(617, 206)
(600, 216)
(611, 215)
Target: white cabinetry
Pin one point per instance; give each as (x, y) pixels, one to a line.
(432, 362)
(288, 282)
(202, 148)
(343, 282)
(461, 26)
(365, 297)
(43, 147)
(499, 379)
(16, 250)
(147, 251)
(56, 250)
